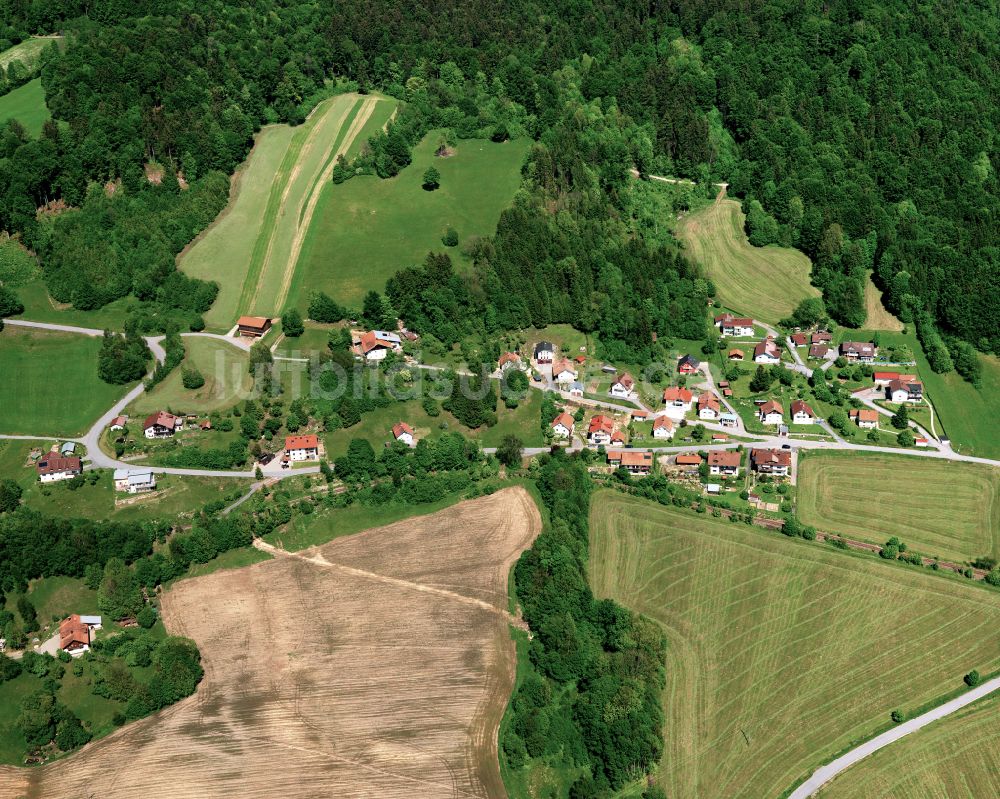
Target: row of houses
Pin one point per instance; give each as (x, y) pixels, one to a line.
(727, 463)
(771, 412)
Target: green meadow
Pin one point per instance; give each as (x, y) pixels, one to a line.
(26, 104)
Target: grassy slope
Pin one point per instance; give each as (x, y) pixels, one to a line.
(26, 104)
(878, 318)
(51, 385)
(366, 229)
(780, 652)
(764, 282)
(955, 757)
(27, 51)
(940, 508)
(226, 374)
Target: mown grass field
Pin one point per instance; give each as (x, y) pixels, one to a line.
(227, 380)
(955, 758)
(763, 282)
(55, 598)
(780, 652)
(878, 317)
(940, 508)
(28, 51)
(26, 104)
(251, 249)
(50, 384)
(366, 229)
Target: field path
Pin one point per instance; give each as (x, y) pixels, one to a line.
(306, 216)
(324, 682)
(826, 773)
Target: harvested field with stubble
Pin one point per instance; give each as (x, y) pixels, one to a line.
(377, 665)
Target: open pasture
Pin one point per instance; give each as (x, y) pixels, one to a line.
(939, 508)
(26, 104)
(344, 671)
(780, 652)
(763, 282)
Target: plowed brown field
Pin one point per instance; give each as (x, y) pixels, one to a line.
(338, 674)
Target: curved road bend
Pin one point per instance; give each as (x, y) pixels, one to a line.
(826, 773)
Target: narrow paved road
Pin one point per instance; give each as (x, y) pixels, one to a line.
(826, 773)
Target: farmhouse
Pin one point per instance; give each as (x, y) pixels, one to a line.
(882, 379)
(134, 481)
(623, 386)
(865, 418)
(253, 326)
(510, 360)
(401, 431)
(771, 461)
(161, 425)
(52, 467)
(544, 351)
(119, 422)
(676, 397)
(374, 345)
(861, 351)
(799, 339)
(562, 426)
(767, 352)
(600, 430)
(663, 427)
(76, 631)
(904, 391)
(726, 462)
(709, 406)
(771, 412)
(636, 461)
(802, 413)
(735, 355)
(730, 325)
(688, 365)
(818, 351)
(563, 372)
(302, 448)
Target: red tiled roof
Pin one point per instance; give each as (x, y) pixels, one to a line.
(736, 353)
(255, 322)
(401, 427)
(779, 457)
(863, 414)
(663, 421)
(675, 393)
(632, 457)
(56, 464)
(727, 457)
(771, 405)
(800, 339)
(798, 405)
(309, 441)
(708, 400)
(564, 419)
(818, 350)
(626, 380)
(509, 357)
(161, 419)
(73, 633)
(601, 423)
(689, 459)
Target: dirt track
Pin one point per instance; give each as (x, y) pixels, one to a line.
(327, 682)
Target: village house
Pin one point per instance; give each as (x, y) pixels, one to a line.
(901, 391)
(735, 355)
(134, 481)
(730, 325)
(822, 337)
(564, 372)
(623, 387)
(802, 413)
(618, 438)
(771, 461)
(719, 438)
(253, 326)
(882, 379)
(688, 365)
(510, 360)
(636, 461)
(402, 432)
(640, 414)
(600, 430)
(727, 462)
(544, 352)
(767, 351)
(119, 422)
(53, 467)
(729, 419)
(576, 389)
(799, 339)
(663, 427)
(161, 425)
(302, 448)
(861, 351)
(562, 426)
(76, 633)
(771, 412)
(865, 418)
(709, 406)
(688, 461)
(677, 398)
(818, 351)
(374, 345)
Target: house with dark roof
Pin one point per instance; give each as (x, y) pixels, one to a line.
(861, 351)
(771, 461)
(161, 425)
(544, 352)
(801, 412)
(901, 391)
(818, 351)
(730, 325)
(688, 365)
(771, 412)
(53, 467)
(767, 351)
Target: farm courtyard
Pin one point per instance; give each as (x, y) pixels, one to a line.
(342, 671)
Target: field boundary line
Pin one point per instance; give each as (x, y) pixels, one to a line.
(362, 117)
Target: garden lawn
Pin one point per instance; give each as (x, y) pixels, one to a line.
(26, 104)
(366, 229)
(55, 598)
(50, 384)
(939, 508)
(225, 368)
(780, 652)
(312, 341)
(763, 282)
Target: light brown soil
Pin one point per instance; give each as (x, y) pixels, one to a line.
(350, 672)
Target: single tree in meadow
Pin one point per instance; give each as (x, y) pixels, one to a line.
(432, 179)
